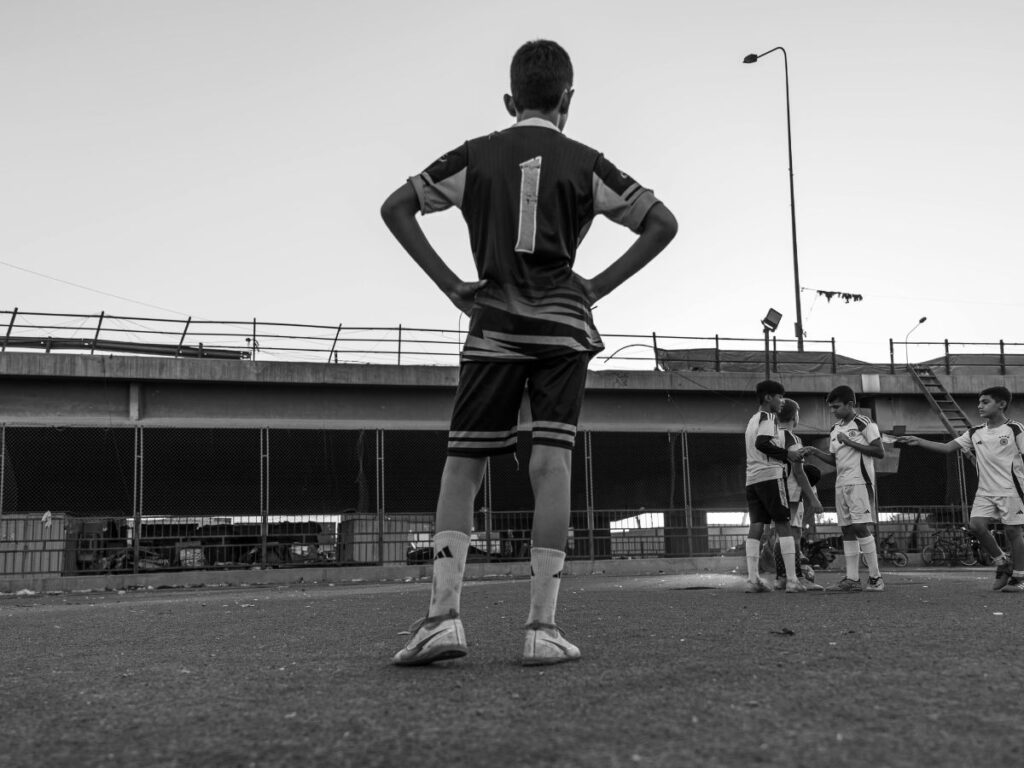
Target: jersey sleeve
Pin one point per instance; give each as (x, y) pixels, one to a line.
(619, 197)
(443, 183)
(871, 432)
(965, 442)
(766, 426)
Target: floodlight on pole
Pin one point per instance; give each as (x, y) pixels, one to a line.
(769, 322)
(752, 58)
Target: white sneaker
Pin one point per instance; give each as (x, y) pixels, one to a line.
(545, 644)
(795, 586)
(434, 638)
(758, 586)
(810, 586)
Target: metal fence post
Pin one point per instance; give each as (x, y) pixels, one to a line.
(10, 327)
(3, 463)
(834, 362)
(380, 497)
(588, 466)
(718, 355)
(137, 497)
(945, 345)
(892, 357)
(1002, 358)
(96, 337)
(399, 343)
(264, 435)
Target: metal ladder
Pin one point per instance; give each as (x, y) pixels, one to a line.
(952, 417)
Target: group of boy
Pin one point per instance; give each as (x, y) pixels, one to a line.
(777, 484)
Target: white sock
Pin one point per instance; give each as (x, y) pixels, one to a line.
(788, 547)
(867, 548)
(753, 549)
(851, 550)
(450, 551)
(545, 578)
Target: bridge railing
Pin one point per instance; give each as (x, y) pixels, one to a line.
(254, 339)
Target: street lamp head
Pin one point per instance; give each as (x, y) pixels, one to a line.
(750, 58)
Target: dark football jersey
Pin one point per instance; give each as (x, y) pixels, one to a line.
(528, 195)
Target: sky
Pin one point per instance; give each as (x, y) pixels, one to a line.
(226, 159)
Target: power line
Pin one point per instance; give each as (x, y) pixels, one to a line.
(92, 290)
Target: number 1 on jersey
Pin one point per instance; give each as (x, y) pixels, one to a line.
(529, 188)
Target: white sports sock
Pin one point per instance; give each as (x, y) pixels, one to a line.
(788, 547)
(851, 550)
(450, 551)
(870, 552)
(753, 549)
(545, 578)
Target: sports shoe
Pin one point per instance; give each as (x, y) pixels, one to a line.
(846, 585)
(1014, 584)
(875, 584)
(810, 586)
(806, 572)
(545, 644)
(795, 586)
(434, 638)
(758, 586)
(1003, 572)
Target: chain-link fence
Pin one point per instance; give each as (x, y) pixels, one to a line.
(87, 500)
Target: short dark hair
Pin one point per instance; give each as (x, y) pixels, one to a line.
(788, 410)
(541, 71)
(768, 387)
(998, 393)
(841, 394)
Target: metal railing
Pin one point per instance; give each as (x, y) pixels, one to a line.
(403, 345)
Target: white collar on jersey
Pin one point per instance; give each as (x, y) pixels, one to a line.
(535, 122)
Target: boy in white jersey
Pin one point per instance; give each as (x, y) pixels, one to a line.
(997, 446)
(767, 500)
(853, 445)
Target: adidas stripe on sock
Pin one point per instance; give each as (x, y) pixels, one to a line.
(450, 551)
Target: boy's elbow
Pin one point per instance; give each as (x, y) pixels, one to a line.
(401, 202)
(661, 224)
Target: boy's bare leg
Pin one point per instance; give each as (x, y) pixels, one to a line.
(460, 482)
(980, 527)
(550, 473)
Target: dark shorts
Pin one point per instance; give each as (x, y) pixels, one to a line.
(486, 417)
(767, 502)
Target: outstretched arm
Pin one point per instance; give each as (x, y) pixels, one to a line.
(929, 445)
(399, 214)
(659, 228)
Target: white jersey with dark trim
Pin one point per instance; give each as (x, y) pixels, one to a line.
(528, 195)
(761, 466)
(852, 466)
(998, 451)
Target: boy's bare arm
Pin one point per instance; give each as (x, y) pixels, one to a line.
(399, 214)
(929, 445)
(809, 496)
(659, 228)
(828, 458)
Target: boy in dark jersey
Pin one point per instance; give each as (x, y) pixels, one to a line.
(997, 446)
(528, 195)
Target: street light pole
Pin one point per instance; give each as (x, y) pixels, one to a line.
(750, 59)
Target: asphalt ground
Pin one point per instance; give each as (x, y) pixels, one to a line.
(677, 670)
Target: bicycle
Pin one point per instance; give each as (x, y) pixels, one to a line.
(950, 547)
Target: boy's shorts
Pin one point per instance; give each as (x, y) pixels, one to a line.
(1008, 510)
(485, 420)
(767, 502)
(854, 504)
